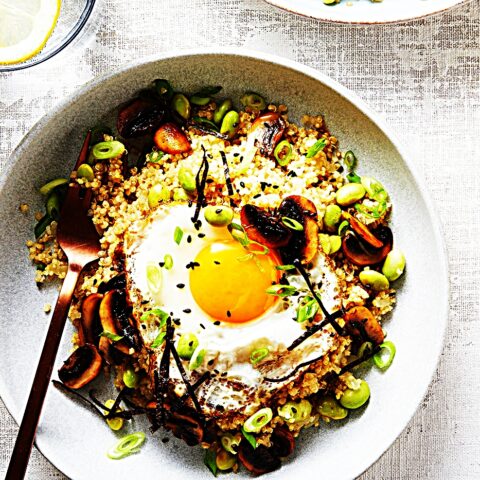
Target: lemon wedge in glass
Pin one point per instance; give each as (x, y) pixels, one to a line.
(25, 26)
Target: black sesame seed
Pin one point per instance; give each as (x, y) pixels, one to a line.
(211, 362)
(216, 262)
(258, 195)
(180, 285)
(165, 440)
(242, 184)
(236, 154)
(229, 313)
(201, 235)
(218, 211)
(241, 159)
(275, 187)
(203, 326)
(162, 264)
(224, 374)
(189, 239)
(216, 322)
(292, 174)
(190, 343)
(187, 310)
(190, 203)
(209, 180)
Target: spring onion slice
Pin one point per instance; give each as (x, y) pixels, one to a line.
(106, 150)
(210, 460)
(230, 443)
(250, 438)
(258, 355)
(168, 261)
(292, 224)
(111, 336)
(154, 278)
(352, 177)
(285, 267)
(158, 340)
(366, 348)
(384, 358)
(50, 186)
(178, 235)
(293, 412)
(350, 160)
(281, 290)
(197, 358)
(127, 445)
(342, 228)
(283, 153)
(317, 147)
(155, 312)
(258, 420)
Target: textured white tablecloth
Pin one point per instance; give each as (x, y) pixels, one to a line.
(422, 76)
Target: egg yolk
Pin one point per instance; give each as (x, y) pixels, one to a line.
(230, 286)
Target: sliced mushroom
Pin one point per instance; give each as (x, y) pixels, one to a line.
(83, 365)
(115, 318)
(170, 138)
(264, 228)
(363, 254)
(90, 322)
(186, 426)
(362, 231)
(259, 460)
(117, 282)
(267, 130)
(139, 117)
(360, 323)
(303, 244)
(283, 442)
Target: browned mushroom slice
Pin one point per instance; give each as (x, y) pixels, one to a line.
(170, 138)
(259, 460)
(115, 319)
(362, 231)
(264, 228)
(83, 365)
(304, 243)
(139, 117)
(268, 129)
(360, 323)
(362, 254)
(185, 426)
(90, 321)
(283, 442)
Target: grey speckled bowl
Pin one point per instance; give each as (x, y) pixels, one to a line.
(69, 434)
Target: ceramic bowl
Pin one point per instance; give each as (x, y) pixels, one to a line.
(365, 11)
(75, 440)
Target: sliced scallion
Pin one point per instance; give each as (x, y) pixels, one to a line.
(197, 358)
(230, 443)
(283, 153)
(178, 235)
(50, 186)
(317, 147)
(250, 438)
(285, 267)
(258, 420)
(127, 445)
(292, 224)
(168, 262)
(158, 340)
(106, 150)
(155, 313)
(154, 278)
(210, 460)
(281, 290)
(111, 336)
(258, 355)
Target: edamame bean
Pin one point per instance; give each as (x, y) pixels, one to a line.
(186, 178)
(325, 243)
(181, 105)
(330, 243)
(187, 343)
(353, 399)
(157, 194)
(180, 195)
(394, 265)
(349, 194)
(85, 171)
(330, 408)
(130, 378)
(230, 123)
(374, 280)
(222, 110)
(374, 189)
(333, 214)
(218, 216)
(335, 243)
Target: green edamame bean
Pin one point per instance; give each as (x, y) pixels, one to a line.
(187, 343)
(374, 280)
(222, 110)
(225, 460)
(330, 243)
(53, 205)
(325, 243)
(130, 378)
(394, 265)
(85, 171)
(353, 399)
(230, 123)
(180, 195)
(218, 216)
(330, 408)
(333, 214)
(181, 105)
(335, 243)
(186, 178)
(350, 194)
(157, 194)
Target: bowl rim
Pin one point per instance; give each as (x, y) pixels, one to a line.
(348, 95)
(65, 42)
(285, 6)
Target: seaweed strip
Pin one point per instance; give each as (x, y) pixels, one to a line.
(201, 181)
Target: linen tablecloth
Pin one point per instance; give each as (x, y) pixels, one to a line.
(422, 76)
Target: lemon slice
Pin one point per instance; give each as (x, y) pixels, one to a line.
(25, 26)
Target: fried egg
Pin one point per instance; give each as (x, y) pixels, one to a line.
(216, 289)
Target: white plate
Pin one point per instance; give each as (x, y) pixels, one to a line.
(364, 11)
(74, 439)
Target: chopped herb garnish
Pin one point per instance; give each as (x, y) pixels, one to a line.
(281, 290)
(158, 340)
(168, 262)
(258, 355)
(352, 177)
(250, 438)
(307, 310)
(317, 147)
(154, 157)
(292, 224)
(155, 313)
(178, 235)
(112, 336)
(285, 267)
(210, 460)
